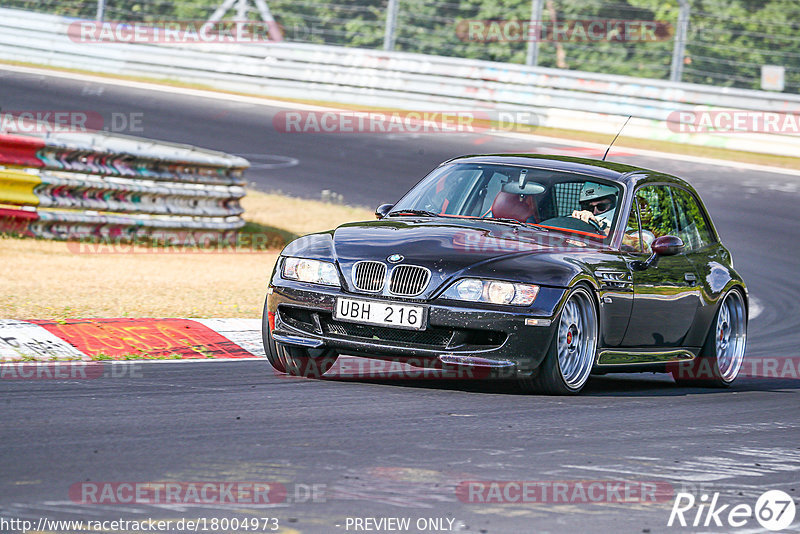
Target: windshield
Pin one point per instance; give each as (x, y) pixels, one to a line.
(545, 198)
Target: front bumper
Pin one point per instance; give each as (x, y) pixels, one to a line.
(457, 333)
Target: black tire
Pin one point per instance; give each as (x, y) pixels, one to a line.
(550, 378)
(296, 361)
(307, 363)
(270, 349)
(715, 367)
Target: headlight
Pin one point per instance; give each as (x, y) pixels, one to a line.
(469, 289)
(492, 291)
(312, 271)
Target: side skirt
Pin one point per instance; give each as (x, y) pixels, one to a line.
(609, 359)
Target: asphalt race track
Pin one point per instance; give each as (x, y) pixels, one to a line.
(396, 448)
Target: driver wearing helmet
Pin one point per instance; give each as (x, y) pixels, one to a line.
(598, 204)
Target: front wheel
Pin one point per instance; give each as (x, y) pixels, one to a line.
(722, 355)
(296, 361)
(308, 363)
(569, 360)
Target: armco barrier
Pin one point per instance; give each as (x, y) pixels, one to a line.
(556, 97)
(95, 185)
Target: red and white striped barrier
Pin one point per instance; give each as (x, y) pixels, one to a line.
(98, 186)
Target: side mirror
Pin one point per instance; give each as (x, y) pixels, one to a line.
(666, 245)
(382, 210)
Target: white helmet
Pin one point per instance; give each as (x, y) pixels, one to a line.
(592, 191)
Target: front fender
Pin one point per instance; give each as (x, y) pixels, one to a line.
(317, 246)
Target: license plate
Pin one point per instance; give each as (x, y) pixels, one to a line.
(381, 313)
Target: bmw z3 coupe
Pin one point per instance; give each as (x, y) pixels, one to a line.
(544, 269)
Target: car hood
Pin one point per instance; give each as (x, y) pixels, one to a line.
(452, 241)
(452, 248)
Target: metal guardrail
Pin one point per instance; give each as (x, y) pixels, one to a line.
(554, 97)
(94, 185)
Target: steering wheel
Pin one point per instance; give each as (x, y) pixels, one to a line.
(573, 223)
(594, 224)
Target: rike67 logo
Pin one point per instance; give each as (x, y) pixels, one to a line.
(774, 510)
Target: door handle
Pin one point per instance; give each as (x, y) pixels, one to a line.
(691, 278)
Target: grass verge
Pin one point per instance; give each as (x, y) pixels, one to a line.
(53, 280)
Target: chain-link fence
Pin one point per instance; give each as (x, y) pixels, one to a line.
(726, 41)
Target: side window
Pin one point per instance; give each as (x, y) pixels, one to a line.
(693, 227)
(657, 213)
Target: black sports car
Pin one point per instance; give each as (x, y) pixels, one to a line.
(542, 268)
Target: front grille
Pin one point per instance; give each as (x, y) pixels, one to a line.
(409, 280)
(369, 276)
(432, 336)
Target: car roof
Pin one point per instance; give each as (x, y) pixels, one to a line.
(629, 175)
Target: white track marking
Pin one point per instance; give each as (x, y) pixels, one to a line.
(70, 505)
(244, 332)
(69, 508)
(652, 153)
(755, 309)
(266, 101)
(203, 93)
(273, 161)
(735, 463)
(20, 339)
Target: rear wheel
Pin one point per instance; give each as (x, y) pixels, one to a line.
(569, 360)
(722, 355)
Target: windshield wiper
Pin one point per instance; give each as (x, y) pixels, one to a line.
(413, 212)
(503, 219)
(514, 222)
